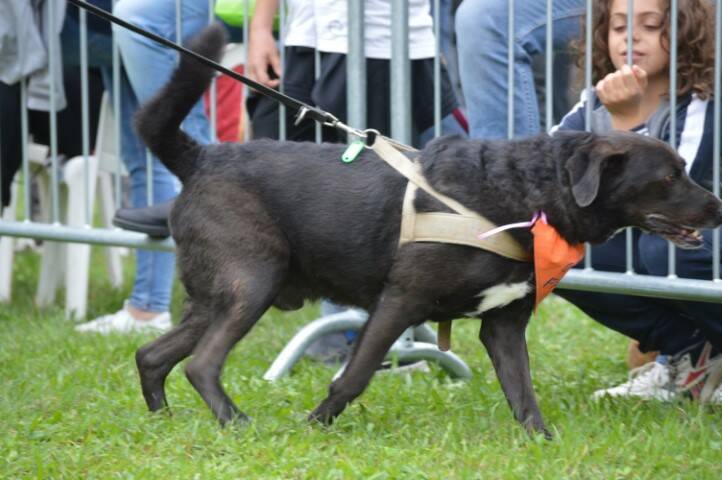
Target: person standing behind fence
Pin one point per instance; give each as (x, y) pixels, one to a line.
(323, 25)
(148, 66)
(636, 98)
(483, 41)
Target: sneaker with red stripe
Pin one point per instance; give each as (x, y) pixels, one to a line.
(692, 376)
(695, 372)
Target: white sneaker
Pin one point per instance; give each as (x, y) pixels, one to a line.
(650, 381)
(123, 322)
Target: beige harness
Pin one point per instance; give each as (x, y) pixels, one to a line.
(460, 228)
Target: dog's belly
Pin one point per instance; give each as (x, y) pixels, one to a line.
(349, 283)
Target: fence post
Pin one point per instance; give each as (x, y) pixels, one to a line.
(400, 72)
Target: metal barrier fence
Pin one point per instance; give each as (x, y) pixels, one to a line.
(585, 279)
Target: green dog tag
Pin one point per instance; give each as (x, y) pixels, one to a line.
(352, 151)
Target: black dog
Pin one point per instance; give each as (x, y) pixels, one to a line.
(275, 223)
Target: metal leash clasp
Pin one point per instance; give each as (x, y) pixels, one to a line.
(370, 135)
(300, 115)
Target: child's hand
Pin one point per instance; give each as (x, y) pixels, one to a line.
(621, 92)
(262, 57)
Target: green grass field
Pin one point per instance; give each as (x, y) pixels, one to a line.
(71, 407)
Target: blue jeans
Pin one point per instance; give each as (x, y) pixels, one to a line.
(449, 126)
(482, 42)
(658, 324)
(148, 66)
(447, 44)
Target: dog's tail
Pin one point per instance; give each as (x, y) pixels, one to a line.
(158, 121)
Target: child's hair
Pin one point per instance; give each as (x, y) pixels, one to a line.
(695, 45)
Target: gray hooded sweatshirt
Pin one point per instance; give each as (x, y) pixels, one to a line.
(26, 31)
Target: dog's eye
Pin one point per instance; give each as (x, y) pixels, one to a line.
(670, 178)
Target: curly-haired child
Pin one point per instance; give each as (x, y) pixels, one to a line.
(633, 93)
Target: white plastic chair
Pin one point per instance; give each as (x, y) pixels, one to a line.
(37, 154)
(7, 246)
(69, 263)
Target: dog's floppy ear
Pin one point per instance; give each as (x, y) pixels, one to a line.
(585, 169)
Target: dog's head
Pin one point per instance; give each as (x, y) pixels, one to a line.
(634, 180)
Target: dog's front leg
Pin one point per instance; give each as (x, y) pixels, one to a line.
(502, 333)
(392, 316)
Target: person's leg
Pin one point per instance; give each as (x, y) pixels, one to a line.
(100, 45)
(482, 33)
(658, 324)
(149, 66)
(450, 125)
(694, 264)
(423, 110)
(99, 56)
(154, 270)
(147, 307)
(298, 82)
(653, 322)
(698, 367)
(10, 141)
(448, 46)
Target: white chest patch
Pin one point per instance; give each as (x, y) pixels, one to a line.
(500, 295)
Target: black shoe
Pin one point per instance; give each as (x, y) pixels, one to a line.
(152, 221)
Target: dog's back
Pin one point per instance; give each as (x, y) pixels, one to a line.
(337, 219)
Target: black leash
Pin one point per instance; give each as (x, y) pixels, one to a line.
(303, 109)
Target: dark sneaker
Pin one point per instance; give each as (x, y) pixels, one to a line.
(152, 220)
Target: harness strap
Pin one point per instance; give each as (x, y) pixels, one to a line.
(461, 228)
(411, 170)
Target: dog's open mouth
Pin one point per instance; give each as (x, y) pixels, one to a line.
(682, 236)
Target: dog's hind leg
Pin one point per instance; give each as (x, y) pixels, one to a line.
(389, 320)
(251, 291)
(502, 333)
(156, 359)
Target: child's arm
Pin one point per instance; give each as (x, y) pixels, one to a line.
(621, 92)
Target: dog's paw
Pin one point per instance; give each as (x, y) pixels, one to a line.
(163, 410)
(322, 416)
(538, 430)
(238, 419)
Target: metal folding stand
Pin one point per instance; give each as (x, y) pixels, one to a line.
(415, 344)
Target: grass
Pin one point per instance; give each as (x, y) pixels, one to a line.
(71, 408)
